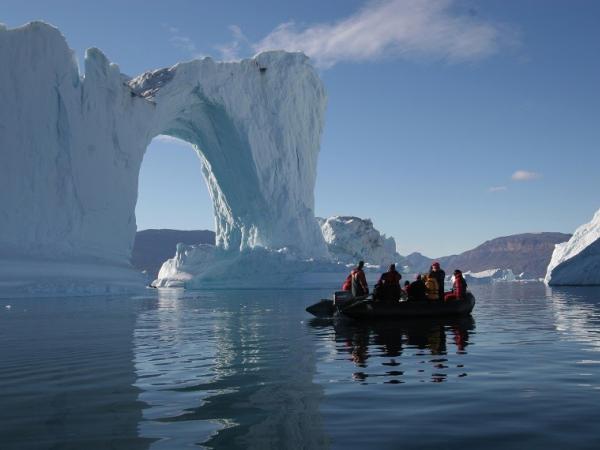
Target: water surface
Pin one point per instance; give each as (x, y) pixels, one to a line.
(251, 370)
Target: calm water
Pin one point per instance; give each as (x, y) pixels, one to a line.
(252, 370)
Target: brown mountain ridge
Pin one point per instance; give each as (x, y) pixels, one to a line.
(527, 254)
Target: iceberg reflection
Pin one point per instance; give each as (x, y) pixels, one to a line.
(227, 370)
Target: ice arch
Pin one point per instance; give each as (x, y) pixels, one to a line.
(72, 147)
(256, 127)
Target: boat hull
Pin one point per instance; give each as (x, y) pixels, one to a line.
(368, 309)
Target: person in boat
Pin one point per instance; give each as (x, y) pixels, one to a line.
(358, 280)
(440, 276)
(416, 290)
(432, 289)
(388, 286)
(347, 286)
(459, 288)
(404, 293)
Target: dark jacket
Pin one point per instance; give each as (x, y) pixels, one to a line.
(416, 291)
(388, 286)
(392, 277)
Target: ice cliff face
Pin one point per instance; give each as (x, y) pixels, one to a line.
(577, 261)
(72, 147)
(350, 239)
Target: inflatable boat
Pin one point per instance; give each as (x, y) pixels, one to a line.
(370, 309)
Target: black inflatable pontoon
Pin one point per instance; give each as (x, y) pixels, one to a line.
(369, 309)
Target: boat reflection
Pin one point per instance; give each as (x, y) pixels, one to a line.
(405, 348)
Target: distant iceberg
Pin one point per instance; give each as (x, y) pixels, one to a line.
(490, 276)
(350, 239)
(577, 261)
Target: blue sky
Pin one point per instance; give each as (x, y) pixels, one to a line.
(448, 122)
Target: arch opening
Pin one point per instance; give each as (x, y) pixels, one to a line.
(171, 192)
(173, 205)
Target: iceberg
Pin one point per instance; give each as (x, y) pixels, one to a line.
(577, 261)
(72, 146)
(206, 266)
(490, 276)
(350, 239)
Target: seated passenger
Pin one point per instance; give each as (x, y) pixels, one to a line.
(416, 290)
(404, 293)
(432, 288)
(347, 286)
(388, 286)
(360, 288)
(437, 272)
(459, 288)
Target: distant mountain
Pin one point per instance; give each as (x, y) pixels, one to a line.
(527, 253)
(153, 247)
(418, 262)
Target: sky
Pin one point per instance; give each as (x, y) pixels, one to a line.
(448, 123)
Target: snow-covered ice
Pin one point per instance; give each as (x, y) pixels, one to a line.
(72, 146)
(351, 238)
(348, 239)
(577, 261)
(490, 276)
(205, 266)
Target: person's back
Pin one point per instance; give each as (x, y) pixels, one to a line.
(459, 288)
(392, 277)
(405, 289)
(389, 284)
(360, 287)
(432, 288)
(416, 291)
(440, 277)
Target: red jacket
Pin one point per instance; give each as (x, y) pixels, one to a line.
(347, 286)
(460, 287)
(359, 275)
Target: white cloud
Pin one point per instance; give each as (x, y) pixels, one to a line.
(498, 189)
(182, 42)
(524, 175)
(391, 28)
(231, 51)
